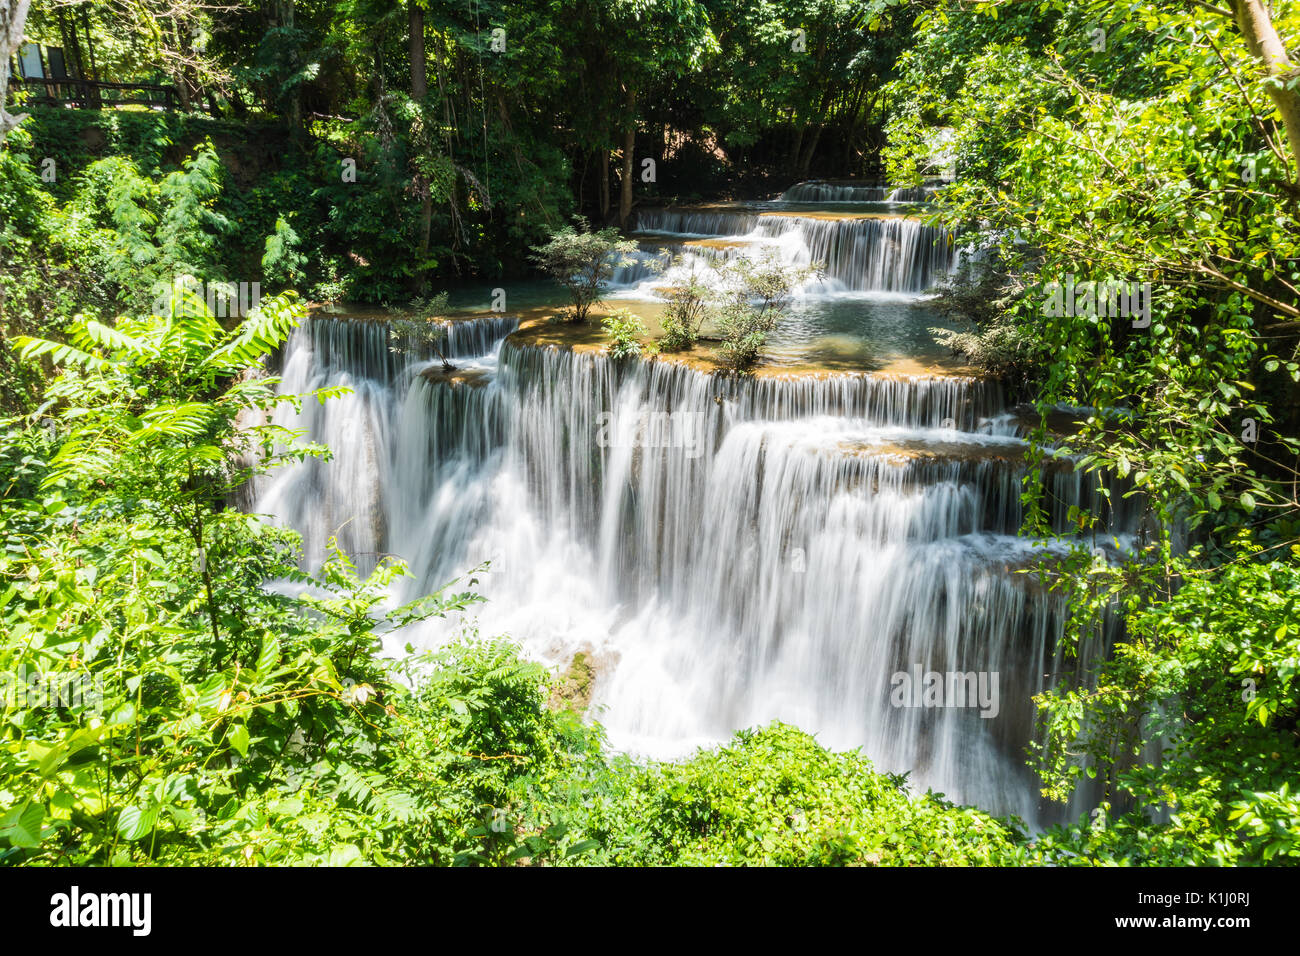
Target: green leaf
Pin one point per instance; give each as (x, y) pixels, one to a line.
(134, 823)
(238, 737)
(347, 855)
(21, 826)
(211, 690)
(269, 655)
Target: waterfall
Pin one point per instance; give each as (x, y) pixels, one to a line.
(726, 551)
(816, 191)
(839, 551)
(910, 194)
(858, 254)
(344, 496)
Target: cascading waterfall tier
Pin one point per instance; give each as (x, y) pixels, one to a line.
(857, 254)
(344, 497)
(367, 347)
(728, 551)
(816, 191)
(911, 194)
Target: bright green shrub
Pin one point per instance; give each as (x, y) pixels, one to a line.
(775, 797)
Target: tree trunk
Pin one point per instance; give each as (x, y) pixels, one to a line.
(629, 145)
(1261, 37)
(74, 62)
(90, 45)
(604, 186)
(805, 161)
(178, 72)
(296, 129)
(853, 124)
(420, 92)
(792, 162)
(582, 181)
(13, 16)
(419, 75)
(237, 104)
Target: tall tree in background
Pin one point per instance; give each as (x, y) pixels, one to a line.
(1257, 28)
(655, 42)
(420, 93)
(13, 17)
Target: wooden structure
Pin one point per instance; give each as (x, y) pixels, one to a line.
(77, 92)
(67, 75)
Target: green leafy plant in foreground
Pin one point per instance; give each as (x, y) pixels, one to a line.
(625, 331)
(1210, 677)
(212, 719)
(774, 797)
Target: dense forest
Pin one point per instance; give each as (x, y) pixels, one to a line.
(1115, 188)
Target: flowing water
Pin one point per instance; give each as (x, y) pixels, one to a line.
(817, 191)
(727, 552)
(862, 252)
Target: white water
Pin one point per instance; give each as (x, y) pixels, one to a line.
(781, 551)
(815, 191)
(857, 254)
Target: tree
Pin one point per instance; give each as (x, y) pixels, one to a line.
(1260, 33)
(657, 40)
(419, 93)
(282, 262)
(583, 262)
(424, 331)
(755, 295)
(13, 17)
(688, 305)
(1098, 147)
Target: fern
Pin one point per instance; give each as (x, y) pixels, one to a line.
(368, 790)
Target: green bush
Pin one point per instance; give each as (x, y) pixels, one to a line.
(754, 297)
(625, 329)
(583, 262)
(688, 308)
(1210, 677)
(774, 797)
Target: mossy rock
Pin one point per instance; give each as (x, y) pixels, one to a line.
(572, 689)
